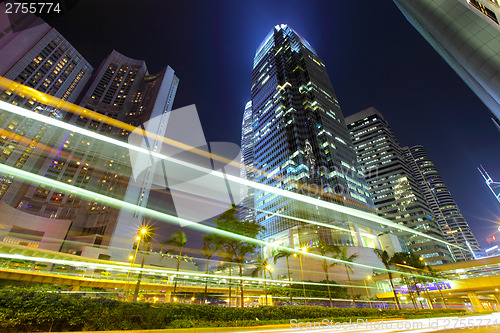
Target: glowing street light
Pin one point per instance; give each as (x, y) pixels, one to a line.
(368, 277)
(142, 235)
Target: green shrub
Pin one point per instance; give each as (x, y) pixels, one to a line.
(27, 310)
(41, 266)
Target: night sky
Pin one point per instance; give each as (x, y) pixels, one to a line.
(373, 55)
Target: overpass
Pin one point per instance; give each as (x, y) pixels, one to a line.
(473, 283)
(187, 282)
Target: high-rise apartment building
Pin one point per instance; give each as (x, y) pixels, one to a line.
(394, 189)
(35, 55)
(455, 228)
(41, 58)
(300, 143)
(466, 33)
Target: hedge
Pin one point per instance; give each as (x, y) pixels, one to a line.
(25, 310)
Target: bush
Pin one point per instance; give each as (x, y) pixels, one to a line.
(41, 266)
(25, 310)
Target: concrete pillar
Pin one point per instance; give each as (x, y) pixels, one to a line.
(167, 296)
(379, 246)
(476, 303)
(358, 235)
(262, 300)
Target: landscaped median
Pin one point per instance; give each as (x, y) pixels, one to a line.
(23, 310)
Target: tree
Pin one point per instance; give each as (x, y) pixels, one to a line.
(409, 261)
(262, 266)
(323, 249)
(341, 254)
(285, 254)
(227, 264)
(178, 239)
(236, 249)
(435, 275)
(208, 250)
(385, 259)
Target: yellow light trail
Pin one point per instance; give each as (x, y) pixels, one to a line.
(160, 271)
(284, 193)
(34, 178)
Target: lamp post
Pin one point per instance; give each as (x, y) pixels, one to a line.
(368, 277)
(142, 234)
(303, 249)
(270, 269)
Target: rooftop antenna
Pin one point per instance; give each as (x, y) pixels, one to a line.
(494, 186)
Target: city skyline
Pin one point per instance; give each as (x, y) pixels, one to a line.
(356, 85)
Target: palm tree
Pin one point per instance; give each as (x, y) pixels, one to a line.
(323, 249)
(263, 266)
(178, 239)
(385, 259)
(228, 264)
(435, 275)
(285, 254)
(342, 255)
(422, 280)
(208, 250)
(236, 249)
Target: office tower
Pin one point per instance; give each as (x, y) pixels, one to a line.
(301, 144)
(41, 58)
(466, 33)
(393, 187)
(246, 170)
(444, 209)
(36, 55)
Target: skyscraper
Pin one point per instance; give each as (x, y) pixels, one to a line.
(35, 55)
(455, 228)
(394, 189)
(466, 33)
(247, 210)
(41, 58)
(121, 89)
(300, 143)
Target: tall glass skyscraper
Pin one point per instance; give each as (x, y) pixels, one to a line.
(300, 143)
(393, 186)
(455, 228)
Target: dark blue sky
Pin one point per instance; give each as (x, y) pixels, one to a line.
(374, 57)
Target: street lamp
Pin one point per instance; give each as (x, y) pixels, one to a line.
(368, 277)
(143, 233)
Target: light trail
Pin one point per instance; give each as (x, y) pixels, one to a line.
(34, 178)
(284, 193)
(125, 267)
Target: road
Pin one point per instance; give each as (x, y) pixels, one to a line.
(469, 324)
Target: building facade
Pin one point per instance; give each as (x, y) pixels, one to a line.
(122, 90)
(246, 171)
(455, 228)
(394, 189)
(300, 144)
(466, 33)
